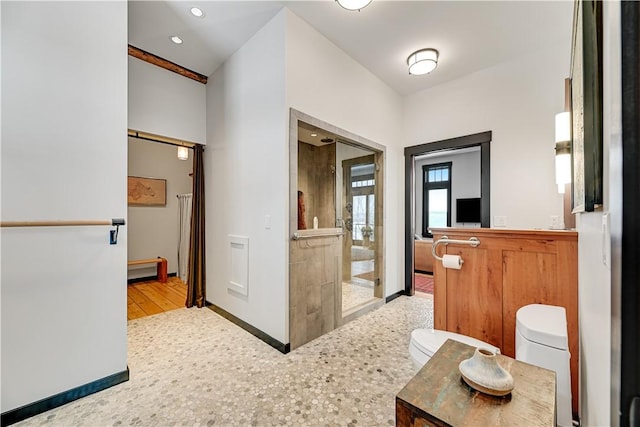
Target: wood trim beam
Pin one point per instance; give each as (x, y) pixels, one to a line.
(166, 64)
(159, 138)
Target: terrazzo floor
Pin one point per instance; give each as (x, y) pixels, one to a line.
(192, 367)
(354, 294)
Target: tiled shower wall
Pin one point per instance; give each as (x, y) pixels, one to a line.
(315, 299)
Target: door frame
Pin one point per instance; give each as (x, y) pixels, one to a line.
(349, 138)
(482, 140)
(625, 336)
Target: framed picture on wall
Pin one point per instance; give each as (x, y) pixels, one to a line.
(586, 106)
(146, 191)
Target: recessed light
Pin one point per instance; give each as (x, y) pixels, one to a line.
(176, 39)
(197, 12)
(314, 134)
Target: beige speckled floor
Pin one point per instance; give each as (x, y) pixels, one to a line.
(192, 367)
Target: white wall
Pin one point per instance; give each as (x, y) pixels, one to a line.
(154, 230)
(64, 156)
(465, 182)
(165, 103)
(247, 179)
(594, 274)
(327, 84)
(517, 100)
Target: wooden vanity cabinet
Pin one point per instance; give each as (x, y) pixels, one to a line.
(508, 270)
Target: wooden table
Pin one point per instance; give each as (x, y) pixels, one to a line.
(437, 396)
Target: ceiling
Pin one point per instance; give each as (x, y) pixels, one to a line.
(470, 35)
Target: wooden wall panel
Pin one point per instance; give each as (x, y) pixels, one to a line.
(477, 298)
(519, 267)
(527, 278)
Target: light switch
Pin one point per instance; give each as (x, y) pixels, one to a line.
(267, 222)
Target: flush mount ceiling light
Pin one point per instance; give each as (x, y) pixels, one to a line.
(176, 39)
(183, 153)
(197, 12)
(353, 4)
(422, 61)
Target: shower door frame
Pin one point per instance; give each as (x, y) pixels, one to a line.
(295, 117)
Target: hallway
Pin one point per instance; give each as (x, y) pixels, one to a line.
(191, 366)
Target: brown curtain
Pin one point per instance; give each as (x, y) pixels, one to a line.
(196, 282)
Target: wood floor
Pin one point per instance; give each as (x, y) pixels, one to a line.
(152, 297)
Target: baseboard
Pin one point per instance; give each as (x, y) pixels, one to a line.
(32, 409)
(148, 278)
(283, 348)
(394, 296)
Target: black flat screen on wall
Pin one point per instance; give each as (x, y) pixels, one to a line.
(468, 210)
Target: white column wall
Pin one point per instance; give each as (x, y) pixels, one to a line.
(517, 101)
(325, 83)
(247, 179)
(64, 157)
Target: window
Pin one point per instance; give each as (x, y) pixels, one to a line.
(436, 197)
(363, 199)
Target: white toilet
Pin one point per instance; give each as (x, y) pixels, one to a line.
(541, 340)
(425, 342)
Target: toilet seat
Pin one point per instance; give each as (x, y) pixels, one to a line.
(425, 342)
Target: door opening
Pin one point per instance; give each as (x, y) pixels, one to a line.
(159, 196)
(439, 183)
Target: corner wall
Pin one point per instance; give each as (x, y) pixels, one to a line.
(597, 257)
(325, 83)
(64, 156)
(517, 101)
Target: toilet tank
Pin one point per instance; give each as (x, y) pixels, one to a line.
(541, 340)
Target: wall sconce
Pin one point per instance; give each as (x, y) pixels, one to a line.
(183, 153)
(563, 150)
(423, 61)
(353, 4)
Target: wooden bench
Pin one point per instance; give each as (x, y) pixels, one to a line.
(162, 266)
